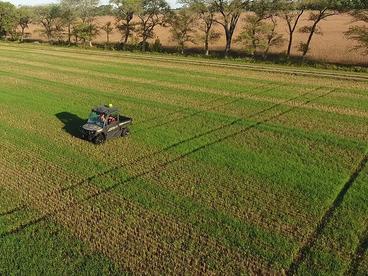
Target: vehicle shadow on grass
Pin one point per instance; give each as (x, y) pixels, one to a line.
(72, 123)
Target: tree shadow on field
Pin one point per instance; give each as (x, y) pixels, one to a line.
(72, 123)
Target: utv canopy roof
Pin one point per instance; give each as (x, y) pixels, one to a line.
(105, 110)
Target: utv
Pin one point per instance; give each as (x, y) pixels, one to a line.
(105, 123)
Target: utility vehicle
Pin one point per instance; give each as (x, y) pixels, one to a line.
(104, 123)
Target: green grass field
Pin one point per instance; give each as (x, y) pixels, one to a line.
(230, 168)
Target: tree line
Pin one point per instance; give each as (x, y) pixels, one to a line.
(73, 22)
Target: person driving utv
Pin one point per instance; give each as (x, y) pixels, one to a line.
(102, 118)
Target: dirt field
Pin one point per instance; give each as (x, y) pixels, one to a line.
(332, 46)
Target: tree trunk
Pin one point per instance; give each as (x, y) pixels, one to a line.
(126, 37)
(22, 37)
(228, 44)
(290, 44)
(69, 34)
(292, 30)
(306, 49)
(207, 52)
(127, 33)
(144, 44)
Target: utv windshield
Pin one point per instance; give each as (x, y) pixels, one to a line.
(96, 119)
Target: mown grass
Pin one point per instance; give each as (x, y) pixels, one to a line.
(227, 170)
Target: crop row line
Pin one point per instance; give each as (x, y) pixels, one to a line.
(324, 108)
(304, 250)
(207, 109)
(158, 83)
(148, 69)
(12, 211)
(259, 68)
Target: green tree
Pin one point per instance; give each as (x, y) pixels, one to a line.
(320, 10)
(85, 31)
(9, 19)
(124, 14)
(359, 33)
(229, 14)
(291, 11)
(104, 10)
(86, 9)
(25, 19)
(49, 16)
(107, 28)
(273, 38)
(182, 27)
(69, 15)
(151, 14)
(259, 32)
(206, 12)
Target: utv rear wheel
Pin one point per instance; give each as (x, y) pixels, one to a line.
(124, 132)
(99, 139)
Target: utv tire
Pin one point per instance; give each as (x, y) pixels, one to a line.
(99, 139)
(124, 132)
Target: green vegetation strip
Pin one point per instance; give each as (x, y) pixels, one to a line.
(200, 185)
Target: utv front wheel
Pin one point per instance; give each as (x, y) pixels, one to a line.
(124, 132)
(99, 139)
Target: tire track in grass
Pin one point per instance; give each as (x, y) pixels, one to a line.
(360, 252)
(68, 215)
(12, 211)
(23, 226)
(96, 192)
(305, 249)
(102, 174)
(211, 131)
(224, 138)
